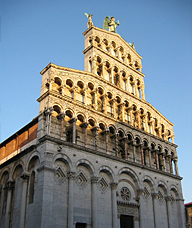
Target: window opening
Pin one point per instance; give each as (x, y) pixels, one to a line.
(32, 187)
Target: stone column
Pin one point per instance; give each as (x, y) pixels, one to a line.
(150, 163)
(61, 117)
(136, 90)
(84, 126)
(170, 164)
(94, 68)
(85, 98)
(142, 91)
(107, 138)
(155, 209)
(172, 138)
(95, 99)
(94, 180)
(10, 186)
(114, 204)
(164, 162)
(25, 177)
(139, 119)
(112, 76)
(125, 141)
(116, 143)
(104, 104)
(157, 159)
(134, 152)
(71, 177)
(142, 156)
(95, 130)
(114, 108)
(103, 70)
(73, 121)
(48, 113)
(123, 111)
(169, 211)
(175, 159)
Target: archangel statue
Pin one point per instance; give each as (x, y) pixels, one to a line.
(110, 24)
(89, 23)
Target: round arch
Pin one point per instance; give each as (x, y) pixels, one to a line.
(107, 170)
(132, 174)
(65, 159)
(87, 164)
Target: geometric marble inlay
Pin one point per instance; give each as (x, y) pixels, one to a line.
(102, 184)
(81, 180)
(60, 175)
(146, 193)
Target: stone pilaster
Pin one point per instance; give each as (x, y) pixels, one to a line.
(25, 177)
(71, 177)
(10, 186)
(114, 204)
(169, 211)
(155, 209)
(94, 181)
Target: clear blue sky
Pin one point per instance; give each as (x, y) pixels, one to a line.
(36, 32)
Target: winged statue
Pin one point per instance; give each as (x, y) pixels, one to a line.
(110, 24)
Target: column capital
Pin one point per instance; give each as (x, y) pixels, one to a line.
(94, 179)
(73, 120)
(107, 130)
(154, 195)
(10, 184)
(48, 111)
(168, 198)
(61, 116)
(96, 128)
(113, 185)
(175, 159)
(139, 192)
(71, 175)
(84, 125)
(25, 175)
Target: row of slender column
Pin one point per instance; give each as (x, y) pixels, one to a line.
(115, 136)
(94, 206)
(133, 117)
(117, 52)
(126, 141)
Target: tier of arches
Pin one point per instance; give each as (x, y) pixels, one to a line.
(117, 76)
(114, 105)
(120, 52)
(86, 131)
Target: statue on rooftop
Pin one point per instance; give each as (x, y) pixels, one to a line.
(89, 23)
(110, 24)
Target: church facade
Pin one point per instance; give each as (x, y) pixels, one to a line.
(98, 155)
